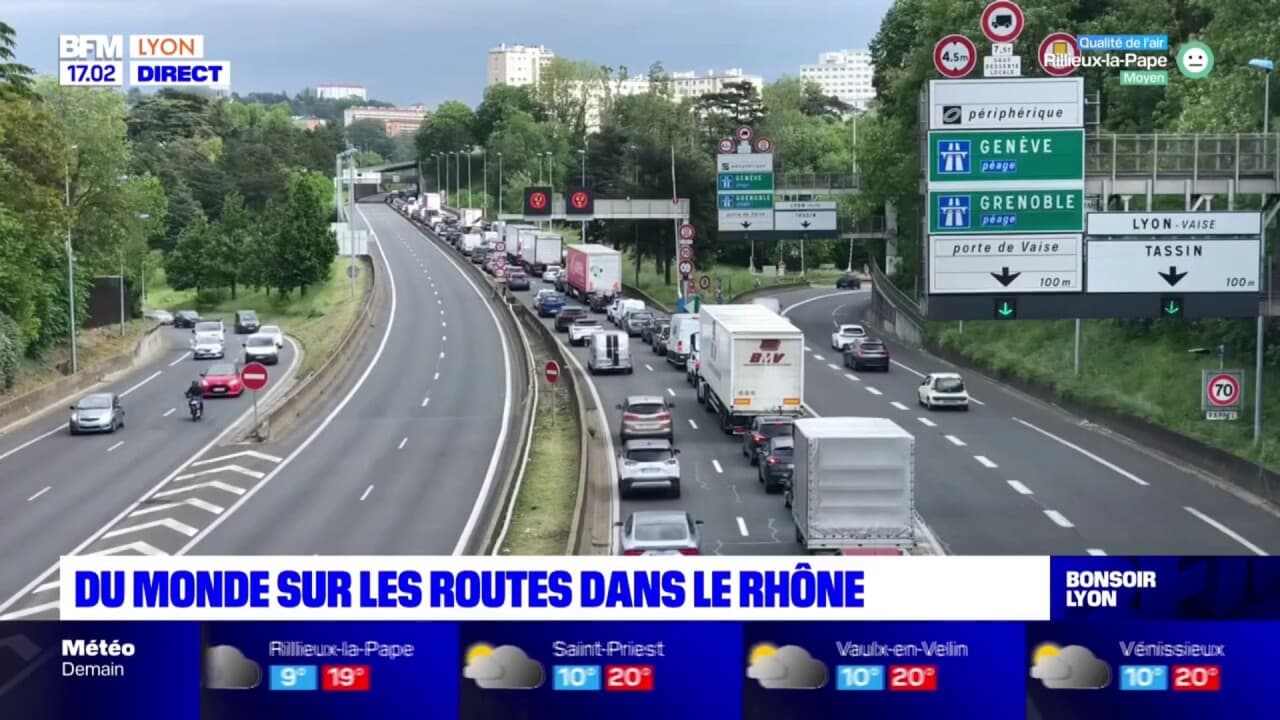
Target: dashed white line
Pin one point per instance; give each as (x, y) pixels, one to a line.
(1109, 465)
(403, 441)
(742, 526)
(671, 392)
(366, 493)
(443, 338)
(872, 390)
(142, 382)
(444, 324)
(169, 412)
(899, 405)
(819, 358)
(834, 366)
(808, 349)
(426, 400)
(33, 441)
(436, 292)
(1226, 531)
(1058, 518)
(927, 422)
(113, 447)
(442, 311)
(441, 356)
(853, 377)
(436, 376)
(439, 301)
(955, 440)
(986, 462)
(913, 371)
(693, 424)
(1019, 487)
(716, 464)
(1097, 552)
(45, 490)
(182, 357)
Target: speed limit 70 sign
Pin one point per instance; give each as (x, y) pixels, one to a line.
(1222, 390)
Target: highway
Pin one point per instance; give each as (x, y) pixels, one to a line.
(58, 488)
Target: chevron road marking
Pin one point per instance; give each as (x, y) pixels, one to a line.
(174, 525)
(242, 453)
(193, 502)
(28, 612)
(137, 546)
(47, 587)
(216, 484)
(229, 468)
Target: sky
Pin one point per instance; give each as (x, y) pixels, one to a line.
(406, 52)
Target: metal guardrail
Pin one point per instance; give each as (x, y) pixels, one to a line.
(884, 289)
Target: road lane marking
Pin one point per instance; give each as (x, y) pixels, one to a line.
(215, 484)
(648, 367)
(955, 440)
(366, 493)
(174, 525)
(1096, 552)
(403, 441)
(834, 366)
(233, 456)
(229, 468)
(33, 441)
(113, 447)
(816, 298)
(671, 392)
(1019, 487)
(37, 495)
(819, 358)
(442, 311)
(443, 338)
(1058, 518)
(853, 377)
(437, 292)
(169, 412)
(444, 324)
(436, 376)
(181, 357)
(986, 462)
(142, 382)
(899, 405)
(34, 610)
(716, 465)
(1226, 531)
(193, 502)
(693, 424)
(927, 422)
(48, 586)
(872, 390)
(1109, 465)
(426, 400)
(911, 370)
(439, 301)
(742, 526)
(808, 349)
(442, 356)
(975, 400)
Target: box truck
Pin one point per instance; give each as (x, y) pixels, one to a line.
(431, 201)
(541, 250)
(470, 216)
(470, 242)
(853, 485)
(511, 238)
(750, 362)
(593, 269)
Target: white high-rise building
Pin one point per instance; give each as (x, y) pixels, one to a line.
(844, 74)
(517, 64)
(691, 85)
(341, 92)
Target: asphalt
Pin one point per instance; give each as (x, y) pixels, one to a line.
(56, 489)
(1017, 476)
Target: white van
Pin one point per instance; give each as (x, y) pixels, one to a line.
(770, 303)
(618, 312)
(610, 352)
(683, 327)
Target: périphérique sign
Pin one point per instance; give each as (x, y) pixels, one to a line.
(1006, 156)
(1006, 104)
(1006, 211)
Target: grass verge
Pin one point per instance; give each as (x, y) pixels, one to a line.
(544, 508)
(318, 320)
(733, 280)
(92, 347)
(1151, 376)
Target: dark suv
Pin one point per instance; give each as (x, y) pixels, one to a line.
(763, 429)
(566, 317)
(186, 319)
(868, 353)
(778, 462)
(247, 322)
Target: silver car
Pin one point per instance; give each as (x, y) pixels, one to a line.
(649, 464)
(207, 346)
(260, 347)
(582, 329)
(99, 412)
(661, 532)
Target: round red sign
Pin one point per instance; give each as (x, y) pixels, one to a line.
(955, 56)
(538, 200)
(725, 146)
(1057, 54)
(1002, 21)
(254, 376)
(552, 371)
(580, 200)
(1223, 390)
(744, 133)
(764, 145)
(687, 232)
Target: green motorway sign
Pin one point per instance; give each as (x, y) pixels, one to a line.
(744, 181)
(1010, 211)
(1006, 155)
(746, 201)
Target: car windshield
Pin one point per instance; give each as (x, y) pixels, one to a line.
(212, 327)
(96, 402)
(784, 452)
(851, 330)
(270, 330)
(645, 408)
(649, 454)
(950, 385)
(775, 429)
(662, 532)
(587, 322)
(220, 369)
(261, 342)
(641, 317)
(872, 346)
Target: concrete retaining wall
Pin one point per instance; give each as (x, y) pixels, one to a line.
(763, 291)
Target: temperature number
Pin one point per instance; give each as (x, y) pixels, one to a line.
(860, 677)
(293, 677)
(913, 677)
(576, 677)
(290, 675)
(345, 678)
(628, 678)
(1203, 678)
(1144, 677)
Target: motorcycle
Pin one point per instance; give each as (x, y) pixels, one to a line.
(196, 406)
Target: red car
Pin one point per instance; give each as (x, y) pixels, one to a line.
(221, 380)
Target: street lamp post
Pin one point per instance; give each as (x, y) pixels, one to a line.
(437, 156)
(499, 184)
(350, 156)
(551, 180)
(470, 202)
(457, 173)
(484, 193)
(1266, 66)
(71, 278)
(583, 152)
(142, 278)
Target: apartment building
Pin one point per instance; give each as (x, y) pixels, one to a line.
(517, 64)
(397, 121)
(341, 92)
(845, 75)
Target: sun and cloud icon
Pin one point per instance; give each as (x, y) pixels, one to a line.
(505, 667)
(1073, 667)
(789, 667)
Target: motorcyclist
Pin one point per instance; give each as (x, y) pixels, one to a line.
(194, 391)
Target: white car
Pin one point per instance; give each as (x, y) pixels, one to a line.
(940, 390)
(582, 329)
(649, 463)
(275, 332)
(261, 348)
(537, 298)
(207, 346)
(842, 338)
(164, 317)
(210, 327)
(552, 272)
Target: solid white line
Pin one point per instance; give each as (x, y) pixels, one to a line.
(366, 493)
(403, 441)
(1058, 518)
(1019, 487)
(1111, 466)
(985, 461)
(33, 441)
(816, 298)
(233, 456)
(215, 484)
(426, 400)
(913, 371)
(853, 377)
(45, 490)
(143, 381)
(899, 405)
(716, 465)
(975, 400)
(927, 422)
(834, 366)
(648, 367)
(1226, 531)
(113, 447)
(182, 357)
(671, 392)
(693, 424)
(169, 412)
(193, 502)
(27, 612)
(211, 471)
(1096, 552)
(872, 390)
(47, 587)
(819, 358)
(955, 440)
(742, 526)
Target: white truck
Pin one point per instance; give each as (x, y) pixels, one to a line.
(853, 486)
(470, 216)
(431, 201)
(540, 250)
(592, 269)
(470, 242)
(511, 235)
(750, 362)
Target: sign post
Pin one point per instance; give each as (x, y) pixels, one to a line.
(552, 372)
(1222, 394)
(254, 376)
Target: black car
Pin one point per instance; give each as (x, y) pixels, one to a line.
(247, 322)
(567, 316)
(646, 330)
(661, 335)
(517, 280)
(777, 464)
(849, 281)
(599, 303)
(763, 429)
(479, 255)
(867, 353)
(186, 319)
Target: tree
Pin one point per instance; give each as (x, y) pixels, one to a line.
(449, 129)
(186, 267)
(371, 136)
(304, 246)
(15, 78)
(500, 101)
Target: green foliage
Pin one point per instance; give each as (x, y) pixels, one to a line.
(370, 136)
(15, 78)
(448, 129)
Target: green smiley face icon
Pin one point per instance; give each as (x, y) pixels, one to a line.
(1195, 60)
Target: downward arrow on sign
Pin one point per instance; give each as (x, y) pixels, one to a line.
(1005, 277)
(1173, 277)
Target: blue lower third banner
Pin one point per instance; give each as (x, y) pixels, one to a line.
(1087, 668)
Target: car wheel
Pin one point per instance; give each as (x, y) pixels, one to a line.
(71, 429)
(624, 492)
(754, 459)
(964, 408)
(675, 490)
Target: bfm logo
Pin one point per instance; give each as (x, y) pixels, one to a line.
(768, 354)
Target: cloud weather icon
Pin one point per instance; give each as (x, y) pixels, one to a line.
(505, 667)
(226, 668)
(789, 667)
(1073, 667)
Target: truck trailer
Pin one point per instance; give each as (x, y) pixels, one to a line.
(593, 269)
(541, 250)
(750, 362)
